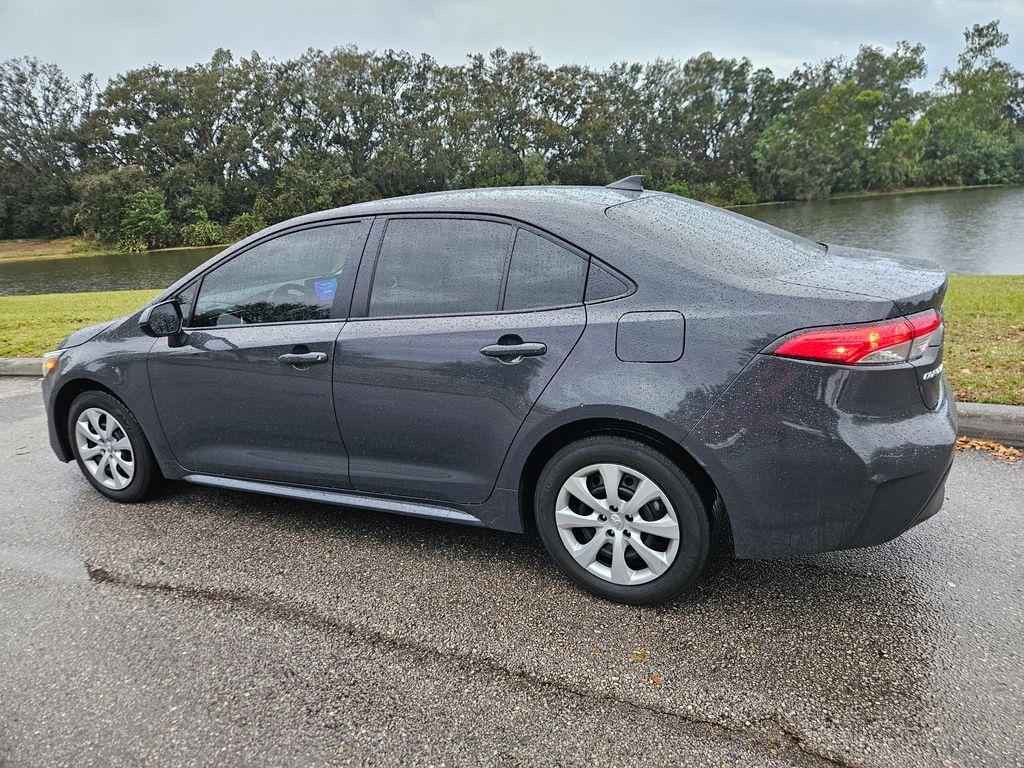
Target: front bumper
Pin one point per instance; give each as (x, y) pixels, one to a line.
(813, 457)
(59, 446)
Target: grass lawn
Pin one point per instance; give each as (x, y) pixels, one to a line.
(31, 325)
(984, 341)
(984, 355)
(62, 248)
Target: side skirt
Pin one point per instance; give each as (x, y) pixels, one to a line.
(341, 498)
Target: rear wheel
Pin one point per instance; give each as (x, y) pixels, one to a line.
(622, 520)
(110, 448)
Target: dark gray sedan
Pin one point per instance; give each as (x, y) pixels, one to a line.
(634, 373)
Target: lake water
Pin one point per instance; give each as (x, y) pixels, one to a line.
(978, 231)
(114, 272)
(972, 231)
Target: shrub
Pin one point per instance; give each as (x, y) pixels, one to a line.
(202, 231)
(738, 191)
(248, 223)
(145, 222)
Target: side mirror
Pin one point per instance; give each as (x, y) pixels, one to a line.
(162, 319)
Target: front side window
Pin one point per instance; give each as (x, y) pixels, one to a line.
(439, 267)
(294, 277)
(543, 274)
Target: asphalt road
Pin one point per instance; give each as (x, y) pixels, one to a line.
(218, 628)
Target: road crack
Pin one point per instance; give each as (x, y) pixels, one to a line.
(774, 733)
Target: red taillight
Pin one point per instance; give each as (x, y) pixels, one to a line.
(891, 341)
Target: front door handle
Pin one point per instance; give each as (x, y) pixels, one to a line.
(512, 349)
(303, 359)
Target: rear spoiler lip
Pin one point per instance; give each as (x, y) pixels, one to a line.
(924, 283)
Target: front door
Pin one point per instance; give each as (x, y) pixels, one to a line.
(246, 392)
(433, 384)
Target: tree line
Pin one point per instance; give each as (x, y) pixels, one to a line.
(212, 152)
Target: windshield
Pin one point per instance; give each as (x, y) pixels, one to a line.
(718, 238)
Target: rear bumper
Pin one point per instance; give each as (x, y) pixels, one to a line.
(815, 458)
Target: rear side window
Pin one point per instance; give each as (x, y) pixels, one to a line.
(439, 267)
(294, 277)
(543, 274)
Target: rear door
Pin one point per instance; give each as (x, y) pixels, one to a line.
(464, 322)
(247, 390)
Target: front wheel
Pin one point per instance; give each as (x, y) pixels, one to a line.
(622, 520)
(111, 449)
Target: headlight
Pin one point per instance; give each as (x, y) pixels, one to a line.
(50, 360)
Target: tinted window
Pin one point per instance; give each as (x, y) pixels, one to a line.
(293, 277)
(543, 274)
(602, 284)
(439, 267)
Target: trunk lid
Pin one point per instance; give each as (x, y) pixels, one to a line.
(912, 284)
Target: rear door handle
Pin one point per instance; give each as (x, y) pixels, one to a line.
(303, 358)
(515, 351)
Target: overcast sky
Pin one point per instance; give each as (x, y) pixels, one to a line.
(108, 36)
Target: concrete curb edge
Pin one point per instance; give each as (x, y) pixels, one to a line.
(21, 366)
(987, 421)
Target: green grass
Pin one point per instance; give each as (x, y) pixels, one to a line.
(32, 325)
(65, 248)
(60, 248)
(984, 354)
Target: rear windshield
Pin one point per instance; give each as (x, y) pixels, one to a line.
(718, 238)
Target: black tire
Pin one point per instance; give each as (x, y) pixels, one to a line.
(691, 513)
(146, 478)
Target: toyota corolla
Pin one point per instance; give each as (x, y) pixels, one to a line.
(632, 373)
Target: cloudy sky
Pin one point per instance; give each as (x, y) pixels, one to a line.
(108, 36)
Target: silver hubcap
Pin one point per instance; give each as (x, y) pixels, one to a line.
(104, 448)
(617, 523)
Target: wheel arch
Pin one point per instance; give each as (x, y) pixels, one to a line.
(62, 401)
(560, 436)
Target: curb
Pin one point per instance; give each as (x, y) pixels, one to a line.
(987, 421)
(21, 366)
(981, 421)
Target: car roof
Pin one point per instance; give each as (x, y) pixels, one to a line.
(534, 205)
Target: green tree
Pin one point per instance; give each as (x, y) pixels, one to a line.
(820, 146)
(897, 161)
(248, 141)
(102, 199)
(40, 112)
(972, 134)
(249, 222)
(315, 181)
(145, 222)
